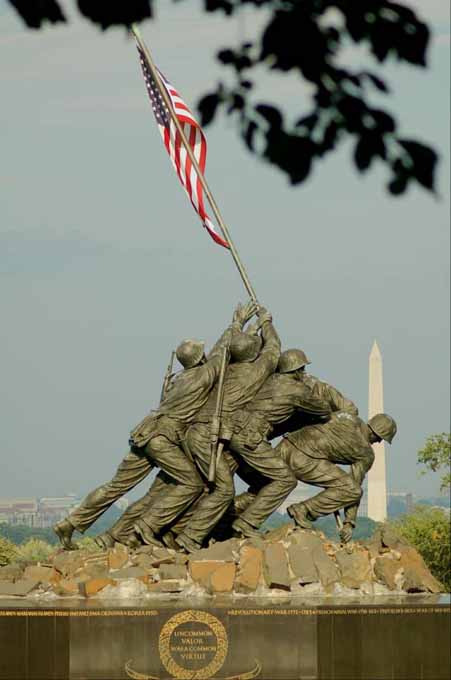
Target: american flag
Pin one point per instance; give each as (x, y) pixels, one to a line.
(174, 146)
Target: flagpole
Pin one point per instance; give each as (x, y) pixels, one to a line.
(189, 151)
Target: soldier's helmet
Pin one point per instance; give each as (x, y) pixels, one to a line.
(244, 347)
(292, 360)
(190, 352)
(384, 426)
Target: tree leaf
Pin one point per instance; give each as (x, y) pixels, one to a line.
(207, 108)
(35, 14)
(271, 114)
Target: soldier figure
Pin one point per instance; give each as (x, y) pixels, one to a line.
(295, 360)
(287, 399)
(157, 440)
(253, 360)
(285, 395)
(314, 453)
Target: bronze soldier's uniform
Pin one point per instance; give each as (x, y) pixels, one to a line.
(313, 453)
(281, 397)
(157, 441)
(242, 382)
(322, 390)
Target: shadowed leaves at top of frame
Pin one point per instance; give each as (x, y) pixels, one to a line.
(301, 37)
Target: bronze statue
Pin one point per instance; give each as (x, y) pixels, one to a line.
(157, 440)
(287, 397)
(253, 359)
(262, 393)
(314, 452)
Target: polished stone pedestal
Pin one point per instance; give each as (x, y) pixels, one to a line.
(389, 638)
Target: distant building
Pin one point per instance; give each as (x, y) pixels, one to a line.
(34, 512)
(18, 511)
(52, 509)
(400, 502)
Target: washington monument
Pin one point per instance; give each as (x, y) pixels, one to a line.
(377, 481)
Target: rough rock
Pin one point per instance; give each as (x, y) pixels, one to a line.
(67, 586)
(42, 574)
(302, 564)
(289, 558)
(256, 542)
(68, 562)
(417, 577)
(19, 588)
(201, 571)
(222, 579)
(173, 571)
(130, 572)
(250, 569)
(374, 546)
(391, 539)
(276, 567)
(326, 568)
(181, 558)
(387, 571)
(171, 586)
(11, 572)
(162, 556)
(118, 556)
(144, 561)
(224, 551)
(307, 539)
(89, 571)
(144, 550)
(355, 568)
(280, 533)
(92, 587)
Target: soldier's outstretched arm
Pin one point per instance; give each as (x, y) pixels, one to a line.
(339, 402)
(270, 352)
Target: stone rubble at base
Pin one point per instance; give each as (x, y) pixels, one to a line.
(285, 560)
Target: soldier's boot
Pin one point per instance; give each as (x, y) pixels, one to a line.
(105, 540)
(64, 530)
(132, 541)
(169, 540)
(146, 534)
(243, 529)
(300, 514)
(187, 543)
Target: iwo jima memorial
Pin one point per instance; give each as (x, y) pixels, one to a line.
(187, 584)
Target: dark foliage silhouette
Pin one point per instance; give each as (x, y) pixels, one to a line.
(300, 38)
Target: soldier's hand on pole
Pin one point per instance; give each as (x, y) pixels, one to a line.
(245, 312)
(253, 329)
(263, 316)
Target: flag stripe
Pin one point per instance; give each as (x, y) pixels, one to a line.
(174, 145)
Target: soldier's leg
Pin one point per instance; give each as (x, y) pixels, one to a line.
(134, 467)
(281, 482)
(212, 506)
(186, 487)
(183, 520)
(122, 530)
(339, 488)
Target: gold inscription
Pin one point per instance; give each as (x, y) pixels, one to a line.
(341, 612)
(193, 644)
(63, 613)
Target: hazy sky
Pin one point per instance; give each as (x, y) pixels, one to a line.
(105, 267)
